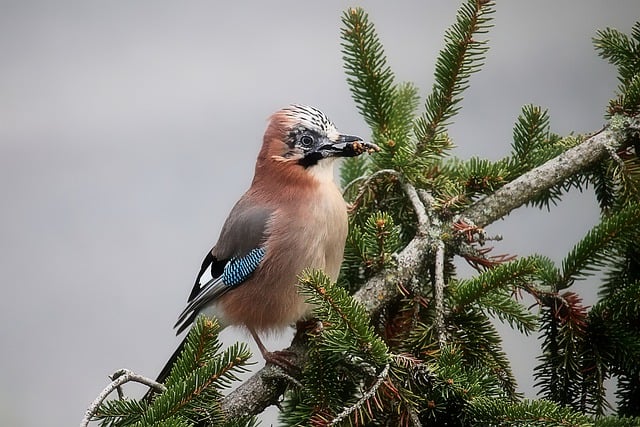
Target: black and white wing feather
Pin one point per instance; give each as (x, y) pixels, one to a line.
(237, 254)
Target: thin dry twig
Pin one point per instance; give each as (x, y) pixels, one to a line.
(367, 181)
(347, 411)
(424, 221)
(120, 377)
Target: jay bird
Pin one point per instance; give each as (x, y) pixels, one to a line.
(292, 217)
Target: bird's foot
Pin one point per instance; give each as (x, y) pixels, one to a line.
(283, 359)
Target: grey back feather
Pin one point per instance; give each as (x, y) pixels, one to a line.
(245, 229)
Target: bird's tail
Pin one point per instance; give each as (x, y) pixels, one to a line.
(164, 373)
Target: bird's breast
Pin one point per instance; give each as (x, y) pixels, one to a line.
(307, 232)
(327, 229)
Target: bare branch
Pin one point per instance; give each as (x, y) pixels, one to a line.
(419, 209)
(439, 293)
(260, 391)
(379, 290)
(265, 387)
(118, 378)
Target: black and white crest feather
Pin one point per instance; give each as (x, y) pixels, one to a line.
(311, 118)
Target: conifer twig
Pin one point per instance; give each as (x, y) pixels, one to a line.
(120, 377)
(374, 388)
(439, 293)
(367, 180)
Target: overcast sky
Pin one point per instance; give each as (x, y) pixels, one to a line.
(129, 128)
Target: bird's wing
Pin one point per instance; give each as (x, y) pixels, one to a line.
(236, 271)
(239, 251)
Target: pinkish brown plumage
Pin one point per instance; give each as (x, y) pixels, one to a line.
(292, 217)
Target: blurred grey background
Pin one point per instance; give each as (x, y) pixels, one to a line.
(129, 128)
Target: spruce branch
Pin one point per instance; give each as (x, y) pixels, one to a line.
(370, 78)
(461, 56)
(529, 133)
(261, 390)
(623, 52)
(597, 247)
(505, 308)
(335, 306)
(387, 107)
(488, 411)
(512, 274)
(553, 172)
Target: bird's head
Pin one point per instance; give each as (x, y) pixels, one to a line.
(305, 136)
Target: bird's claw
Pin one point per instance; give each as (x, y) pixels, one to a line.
(283, 360)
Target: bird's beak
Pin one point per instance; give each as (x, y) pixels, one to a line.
(348, 146)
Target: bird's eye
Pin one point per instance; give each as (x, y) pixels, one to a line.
(306, 141)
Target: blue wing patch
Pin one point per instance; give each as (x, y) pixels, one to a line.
(239, 269)
(234, 273)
